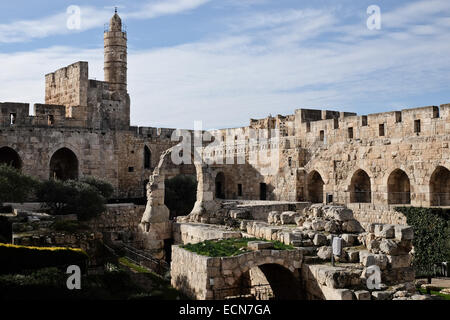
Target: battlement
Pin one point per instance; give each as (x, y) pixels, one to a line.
(68, 86)
(422, 121)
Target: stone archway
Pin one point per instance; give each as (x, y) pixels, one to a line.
(440, 187)
(64, 165)
(315, 187)
(269, 281)
(10, 157)
(360, 188)
(399, 187)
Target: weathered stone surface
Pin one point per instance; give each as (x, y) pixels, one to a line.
(404, 233)
(288, 217)
(320, 240)
(381, 295)
(362, 295)
(402, 261)
(324, 253)
(259, 245)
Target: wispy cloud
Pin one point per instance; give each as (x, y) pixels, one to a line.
(269, 63)
(91, 17)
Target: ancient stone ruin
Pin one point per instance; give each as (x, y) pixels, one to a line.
(302, 179)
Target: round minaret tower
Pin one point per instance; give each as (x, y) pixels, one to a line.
(115, 67)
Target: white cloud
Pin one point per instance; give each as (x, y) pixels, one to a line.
(91, 17)
(227, 80)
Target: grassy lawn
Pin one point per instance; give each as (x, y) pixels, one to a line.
(229, 247)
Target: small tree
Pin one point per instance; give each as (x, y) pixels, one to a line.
(104, 187)
(15, 186)
(72, 197)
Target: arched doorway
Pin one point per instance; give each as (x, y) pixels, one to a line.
(399, 188)
(64, 165)
(220, 185)
(440, 187)
(265, 282)
(315, 187)
(360, 189)
(10, 157)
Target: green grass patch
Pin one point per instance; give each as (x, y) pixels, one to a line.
(436, 293)
(229, 247)
(162, 288)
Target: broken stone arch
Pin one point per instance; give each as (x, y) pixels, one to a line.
(157, 212)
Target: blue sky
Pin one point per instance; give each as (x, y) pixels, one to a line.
(225, 61)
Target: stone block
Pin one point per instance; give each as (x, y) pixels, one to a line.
(320, 240)
(404, 233)
(381, 295)
(362, 295)
(259, 245)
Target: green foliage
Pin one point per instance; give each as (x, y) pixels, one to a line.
(180, 195)
(15, 186)
(18, 258)
(103, 187)
(431, 237)
(72, 197)
(228, 247)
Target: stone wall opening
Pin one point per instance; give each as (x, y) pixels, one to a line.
(360, 189)
(10, 157)
(440, 187)
(267, 282)
(220, 185)
(147, 158)
(315, 187)
(399, 188)
(64, 165)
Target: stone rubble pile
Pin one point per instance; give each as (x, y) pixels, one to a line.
(384, 245)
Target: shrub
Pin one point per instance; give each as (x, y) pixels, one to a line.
(15, 186)
(228, 247)
(180, 195)
(15, 258)
(431, 237)
(72, 197)
(103, 187)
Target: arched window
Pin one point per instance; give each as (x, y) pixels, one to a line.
(147, 158)
(64, 165)
(399, 188)
(360, 191)
(10, 157)
(440, 187)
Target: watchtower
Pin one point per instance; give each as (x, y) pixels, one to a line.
(115, 64)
